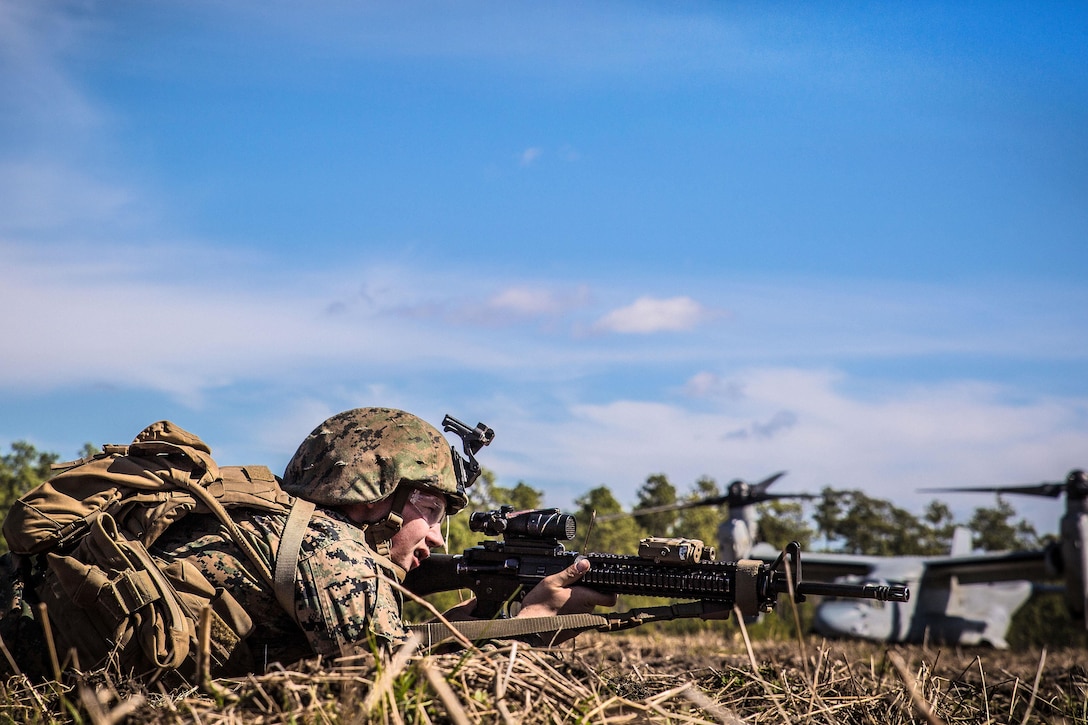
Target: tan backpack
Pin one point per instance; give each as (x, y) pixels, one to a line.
(88, 530)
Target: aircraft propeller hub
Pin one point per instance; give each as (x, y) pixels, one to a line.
(1076, 484)
(740, 493)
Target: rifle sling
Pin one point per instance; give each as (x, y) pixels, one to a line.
(478, 629)
(433, 633)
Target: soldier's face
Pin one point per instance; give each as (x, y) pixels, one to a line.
(420, 532)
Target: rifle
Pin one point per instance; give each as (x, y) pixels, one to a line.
(500, 573)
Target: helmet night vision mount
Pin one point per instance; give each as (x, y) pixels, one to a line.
(467, 469)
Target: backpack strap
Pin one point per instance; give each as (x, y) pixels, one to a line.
(214, 505)
(287, 553)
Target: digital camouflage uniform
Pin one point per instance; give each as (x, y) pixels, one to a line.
(344, 602)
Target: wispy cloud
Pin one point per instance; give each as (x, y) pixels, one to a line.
(526, 302)
(597, 42)
(53, 131)
(39, 101)
(707, 384)
(650, 314)
(778, 422)
(45, 198)
(531, 155)
(218, 303)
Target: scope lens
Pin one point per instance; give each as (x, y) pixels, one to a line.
(491, 523)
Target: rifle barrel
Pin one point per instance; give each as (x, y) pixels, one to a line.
(880, 592)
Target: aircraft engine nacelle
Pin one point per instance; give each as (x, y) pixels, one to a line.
(1068, 558)
(1074, 563)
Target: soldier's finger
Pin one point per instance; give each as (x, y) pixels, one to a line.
(577, 570)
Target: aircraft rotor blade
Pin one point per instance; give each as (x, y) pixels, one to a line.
(1051, 490)
(774, 496)
(762, 486)
(713, 501)
(758, 493)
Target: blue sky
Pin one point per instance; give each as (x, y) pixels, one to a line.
(847, 240)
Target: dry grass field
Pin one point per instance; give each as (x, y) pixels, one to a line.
(644, 677)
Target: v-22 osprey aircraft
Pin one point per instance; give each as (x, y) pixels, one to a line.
(958, 598)
(962, 598)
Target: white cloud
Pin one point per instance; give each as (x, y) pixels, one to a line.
(649, 314)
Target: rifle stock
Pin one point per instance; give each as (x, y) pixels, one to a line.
(500, 572)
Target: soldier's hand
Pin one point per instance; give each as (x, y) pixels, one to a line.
(462, 611)
(558, 594)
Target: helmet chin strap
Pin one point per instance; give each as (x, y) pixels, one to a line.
(380, 533)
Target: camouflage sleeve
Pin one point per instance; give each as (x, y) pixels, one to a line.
(345, 603)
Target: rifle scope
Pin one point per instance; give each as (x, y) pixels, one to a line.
(543, 524)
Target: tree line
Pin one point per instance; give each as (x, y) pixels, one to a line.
(843, 521)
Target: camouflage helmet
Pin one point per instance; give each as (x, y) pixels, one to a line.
(363, 455)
